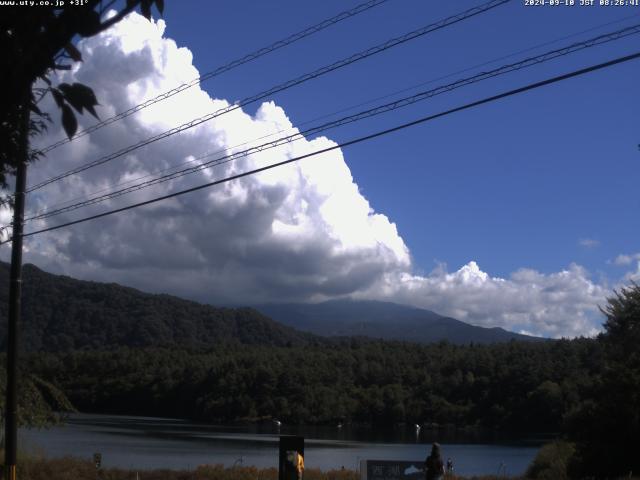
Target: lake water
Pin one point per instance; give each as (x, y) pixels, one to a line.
(146, 443)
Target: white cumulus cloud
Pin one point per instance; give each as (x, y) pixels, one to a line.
(623, 260)
(562, 304)
(302, 232)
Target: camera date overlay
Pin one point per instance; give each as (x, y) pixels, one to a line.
(581, 3)
(43, 3)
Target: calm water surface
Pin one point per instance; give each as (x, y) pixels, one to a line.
(145, 443)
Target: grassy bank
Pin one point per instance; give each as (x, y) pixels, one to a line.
(69, 468)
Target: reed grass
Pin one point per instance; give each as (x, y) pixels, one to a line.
(38, 467)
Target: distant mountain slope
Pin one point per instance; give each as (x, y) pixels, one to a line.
(385, 320)
(61, 313)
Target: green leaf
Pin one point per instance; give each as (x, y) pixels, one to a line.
(92, 111)
(67, 90)
(73, 52)
(88, 23)
(69, 121)
(58, 97)
(145, 9)
(80, 97)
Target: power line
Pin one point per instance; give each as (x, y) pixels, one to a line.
(467, 106)
(222, 69)
(403, 102)
(328, 115)
(284, 86)
(483, 64)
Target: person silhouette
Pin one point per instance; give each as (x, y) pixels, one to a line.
(434, 466)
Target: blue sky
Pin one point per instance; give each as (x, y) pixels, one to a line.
(516, 183)
(519, 214)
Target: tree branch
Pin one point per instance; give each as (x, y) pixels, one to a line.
(113, 20)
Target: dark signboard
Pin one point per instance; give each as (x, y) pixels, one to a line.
(392, 470)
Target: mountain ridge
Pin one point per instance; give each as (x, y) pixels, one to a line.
(378, 319)
(56, 308)
(61, 313)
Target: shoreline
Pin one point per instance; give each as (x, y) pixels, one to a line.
(39, 467)
(471, 434)
(147, 443)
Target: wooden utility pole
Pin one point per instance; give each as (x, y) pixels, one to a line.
(15, 294)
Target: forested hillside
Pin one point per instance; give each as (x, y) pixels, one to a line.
(515, 386)
(60, 313)
(112, 349)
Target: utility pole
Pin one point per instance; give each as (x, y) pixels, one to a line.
(15, 294)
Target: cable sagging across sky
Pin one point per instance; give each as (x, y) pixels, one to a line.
(222, 69)
(372, 136)
(403, 102)
(86, 197)
(279, 88)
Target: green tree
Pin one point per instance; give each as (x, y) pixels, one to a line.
(40, 402)
(551, 461)
(545, 404)
(607, 426)
(36, 41)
